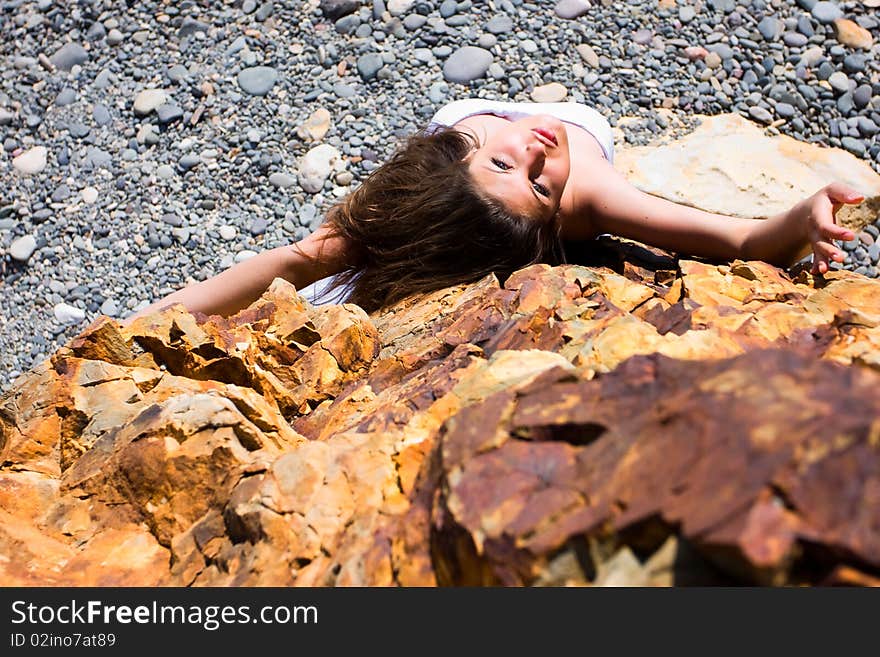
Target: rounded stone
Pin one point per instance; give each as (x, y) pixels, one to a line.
(148, 100)
(826, 12)
(368, 66)
(258, 80)
(571, 9)
(32, 161)
(68, 56)
(549, 93)
(89, 195)
(466, 64)
(499, 24)
(282, 180)
(67, 314)
(23, 248)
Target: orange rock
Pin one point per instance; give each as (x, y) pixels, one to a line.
(852, 34)
(637, 419)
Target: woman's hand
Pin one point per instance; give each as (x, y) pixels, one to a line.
(818, 215)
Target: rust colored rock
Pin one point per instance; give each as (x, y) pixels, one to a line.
(637, 419)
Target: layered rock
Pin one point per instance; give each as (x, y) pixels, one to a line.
(641, 420)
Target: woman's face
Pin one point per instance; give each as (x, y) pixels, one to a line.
(524, 165)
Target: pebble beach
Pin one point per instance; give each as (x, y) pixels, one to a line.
(150, 145)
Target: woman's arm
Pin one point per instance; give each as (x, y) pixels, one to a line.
(320, 254)
(615, 206)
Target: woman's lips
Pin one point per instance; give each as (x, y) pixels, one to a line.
(546, 136)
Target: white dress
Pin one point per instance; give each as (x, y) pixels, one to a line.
(451, 113)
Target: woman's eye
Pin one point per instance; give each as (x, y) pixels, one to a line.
(500, 164)
(543, 191)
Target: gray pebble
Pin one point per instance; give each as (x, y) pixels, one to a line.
(101, 114)
(466, 64)
(23, 248)
(66, 97)
(826, 12)
(368, 66)
(499, 24)
(257, 81)
(68, 56)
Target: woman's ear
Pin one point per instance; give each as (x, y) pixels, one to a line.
(469, 154)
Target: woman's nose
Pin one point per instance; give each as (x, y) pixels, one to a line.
(536, 153)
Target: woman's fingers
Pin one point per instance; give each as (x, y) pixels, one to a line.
(837, 192)
(823, 254)
(835, 232)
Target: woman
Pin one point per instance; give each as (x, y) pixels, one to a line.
(493, 186)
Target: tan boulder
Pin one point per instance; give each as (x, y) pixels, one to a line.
(728, 166)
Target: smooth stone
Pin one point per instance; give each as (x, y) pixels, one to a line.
(189, 161)
(553, 92)
(794, 39)
(466, 64)
(315, 167)
(101, 114)
(228, 233)
(852, 34)
(68, 56)
(172, 219)
(499, 24)
(399, 7)
(368, 66)
(243, 255)
(770, 28)
(67, 314)
(571, 9)
(282, 180)
(102, 80)
(413, 22)
(164, 172)
(785, 111)
(760, 114)
(168, 112)
(258, 226)
(812, 56)
(32, 161)
(854, 63)
(97, 158)
(335, 9)
(78, 130)
(588, 55)
(109, 308)
(148, 100)
(839, 82)
(96, 32)
(178, 73)
(66, 97)
(487, 41)
(115, 37)
(853, 145)
(862, 95)
(89, 195)
(826, 12)
(23, 248)
(257, 81)
(61, 193)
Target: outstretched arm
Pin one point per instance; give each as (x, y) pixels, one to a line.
(615, 206)
(240, 285)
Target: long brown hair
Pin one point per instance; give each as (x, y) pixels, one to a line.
(419, 223)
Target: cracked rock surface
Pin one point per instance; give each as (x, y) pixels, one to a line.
(637, 420)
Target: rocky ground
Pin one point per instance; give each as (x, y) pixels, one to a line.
(149, 145)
